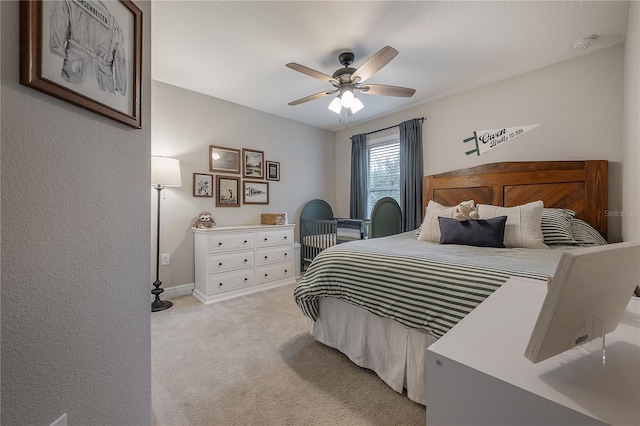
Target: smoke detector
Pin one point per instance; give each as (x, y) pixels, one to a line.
(584, 43)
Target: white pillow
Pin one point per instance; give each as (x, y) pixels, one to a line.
(523, 227)
(430, 230)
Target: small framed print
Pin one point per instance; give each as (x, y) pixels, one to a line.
(255, 192)
(224, 160)
(273, 170)
(202, 185)
(253, 163)
(227, 191)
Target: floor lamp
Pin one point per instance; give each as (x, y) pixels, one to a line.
(164, 172)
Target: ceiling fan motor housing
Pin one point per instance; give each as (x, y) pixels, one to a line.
(343, 75)
(346, 58)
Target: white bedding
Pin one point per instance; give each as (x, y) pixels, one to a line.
(397, 354)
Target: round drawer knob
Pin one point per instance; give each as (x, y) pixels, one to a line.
(245, 261)
(285, 271)
(246, 279)
(265, 258)
(219, 284)
(219, 244)
(266, 275)
(220, 264)
(285, 255)
(245, 241)
(285, 237)
(265, 239)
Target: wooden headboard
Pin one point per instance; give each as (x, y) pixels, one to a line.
(581, 186)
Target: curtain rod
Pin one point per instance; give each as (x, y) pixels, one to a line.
(387, 128)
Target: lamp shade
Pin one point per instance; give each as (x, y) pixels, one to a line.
(165, 171)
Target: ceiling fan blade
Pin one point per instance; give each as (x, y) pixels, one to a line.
(381, 89)
(312, 73)
(312, 97)
(374, 64)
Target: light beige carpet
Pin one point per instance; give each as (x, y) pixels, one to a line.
(251, 361)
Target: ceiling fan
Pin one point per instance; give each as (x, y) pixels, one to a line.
(348, 80)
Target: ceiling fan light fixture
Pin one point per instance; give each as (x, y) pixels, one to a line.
(356, 106)
(335, 105)
(347, 98)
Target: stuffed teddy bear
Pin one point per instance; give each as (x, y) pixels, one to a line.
(204, 221)
(466, 210)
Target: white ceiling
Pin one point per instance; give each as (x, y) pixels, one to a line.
(237, 50)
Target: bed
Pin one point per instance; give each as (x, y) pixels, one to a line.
(383, 301)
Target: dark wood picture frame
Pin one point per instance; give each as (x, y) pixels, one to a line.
(228, 160)
(255, 192)
(273, 170)
(202, 185)
(227, 191)
(252, 163)
(118, 98)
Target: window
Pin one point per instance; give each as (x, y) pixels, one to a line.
(384, 171)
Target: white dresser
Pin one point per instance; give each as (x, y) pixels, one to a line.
(231, 261)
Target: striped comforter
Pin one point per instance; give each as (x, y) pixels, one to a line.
(418, 284)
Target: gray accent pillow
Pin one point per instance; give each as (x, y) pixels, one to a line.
(479, 233)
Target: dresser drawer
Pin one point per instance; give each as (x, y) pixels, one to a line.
(219, 243)
(274, 237)
(227, 261)
(276, 254)
(229, 281)
(275, 272)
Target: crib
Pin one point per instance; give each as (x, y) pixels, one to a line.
(319, 230)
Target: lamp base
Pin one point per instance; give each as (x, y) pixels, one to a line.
(157, 304)
(160, 305)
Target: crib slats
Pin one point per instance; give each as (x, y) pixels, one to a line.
(316, 235)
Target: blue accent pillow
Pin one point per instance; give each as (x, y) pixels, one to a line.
(479, 233)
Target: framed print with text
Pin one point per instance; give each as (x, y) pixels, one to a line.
(273, 170)
(255, 192)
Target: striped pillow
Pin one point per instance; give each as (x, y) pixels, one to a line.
(556, 227)
(585, 235)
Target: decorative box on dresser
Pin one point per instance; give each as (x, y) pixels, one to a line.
(231, 261)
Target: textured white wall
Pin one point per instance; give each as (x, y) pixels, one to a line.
(185, 123)
(75, 254)
(578, 103)
(631, 129)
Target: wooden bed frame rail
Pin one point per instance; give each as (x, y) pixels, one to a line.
(581, 186)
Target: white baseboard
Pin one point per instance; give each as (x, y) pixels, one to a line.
(176, 291)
